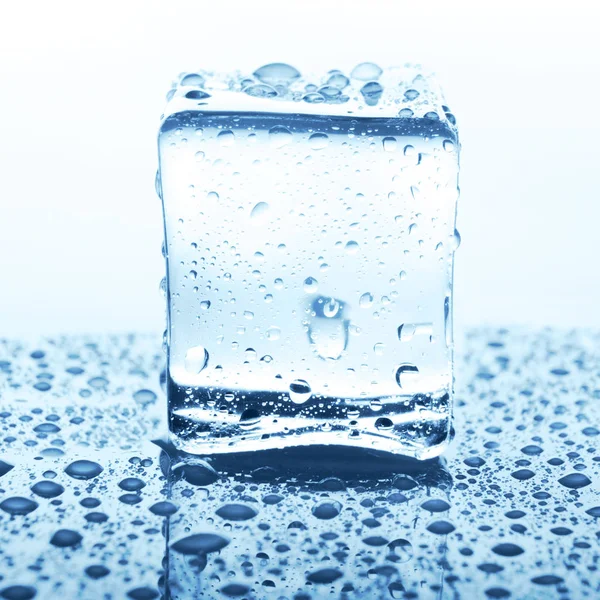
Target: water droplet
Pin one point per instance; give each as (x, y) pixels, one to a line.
(407, 331)
(331, 308)
(311, 285)
(236, 512)
(378, 349)
(371, 92)
(351, 247)
(411, 94)
(455, 240)
(83, 469)
(401, 550)
(574, 481)
(96, 571)
(432, 115)
(405, 113)
(389, 144)
(441, 527)
(280, 136)
(259, 212)
(338, 80)
(366, 300)
(273, 333)
(405, 374)
(163, 509)
(383, 424)
(250, 418)
(448, 145)
(261, 91)
(205, 304)
(199, 473)
(547, 580)
(226, 138)
(197, 95)
(277, 74)
(435, 505)
(199, 156)
(193, 79)
(327, 510)
(200, 543)
(47, 489)
(300, 391)
(144, 397)
(366, 71)
(196, 359)
(131, 484)
(313, 98)
(65, 538)
(318, 141)
(16, 505)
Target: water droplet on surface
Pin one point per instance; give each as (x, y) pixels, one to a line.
(384, 424)
(401, 550)
(193, 79)
(338, 80)
(318, 141)
(279, 136)
(371, 92)
(200, 543)
(144, 397)
(197, 95)
(226, 138)
(455, 240)
(196, 360)
(507, 549)
(406, 374)
(17, 505)
(18, 592)
(327, 510)
(47, 489)
(575, 481)
(163, 509)
(366, 71)
(261, 91)
(273, 333)
(411, 94)
(366, 300)
(448, 145)
(441, 527)
(300, 391)
(236, 512)
(250, 418)
(311, 285)
(200, 473)
(435, 506)
(96, 571)
(65, 538)
(277, 74)
(259, 212)
(131, 484)
(83, 469)
(351, 247)
(389, 144)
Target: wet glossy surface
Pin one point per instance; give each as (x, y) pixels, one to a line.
(91, 508)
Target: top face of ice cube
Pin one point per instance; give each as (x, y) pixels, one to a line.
(365, 91)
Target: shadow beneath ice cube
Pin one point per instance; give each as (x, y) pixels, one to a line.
(304, 523)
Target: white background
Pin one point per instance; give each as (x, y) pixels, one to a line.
(83, 85)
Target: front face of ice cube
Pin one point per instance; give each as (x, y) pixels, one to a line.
(309, 279)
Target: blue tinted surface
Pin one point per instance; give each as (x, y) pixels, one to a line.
(91, 508)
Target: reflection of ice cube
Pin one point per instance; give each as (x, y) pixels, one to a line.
(407, 331)
(328, 330)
